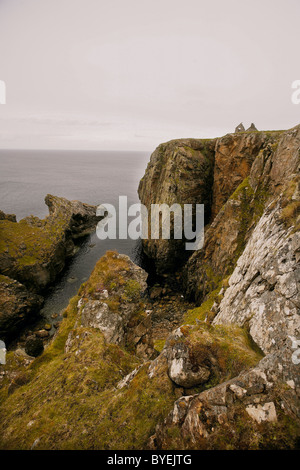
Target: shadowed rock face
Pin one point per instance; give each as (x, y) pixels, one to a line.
(180, 171)
(198, 172)
(275, 167)
(17, 307)
(234, 155)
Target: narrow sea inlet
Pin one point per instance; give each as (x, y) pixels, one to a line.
(93, 177)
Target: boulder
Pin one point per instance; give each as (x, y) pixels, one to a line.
(181, 370)
(34, 346)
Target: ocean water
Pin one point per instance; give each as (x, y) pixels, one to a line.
(94, 177)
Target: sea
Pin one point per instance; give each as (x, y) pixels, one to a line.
(93, 177)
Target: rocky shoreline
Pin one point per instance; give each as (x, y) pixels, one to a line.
(33, 252)
(207, 359)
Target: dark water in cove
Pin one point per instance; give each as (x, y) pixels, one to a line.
(94, 177)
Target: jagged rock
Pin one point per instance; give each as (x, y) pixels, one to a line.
(262, 413)
(234, 156)
(228, 234)
(264, 287)
(262, 295)
(179, 171)
(34, 252)
(97, 314)
(180, 368)
(196, 171)
(18, 306)
(119, 315)
(81, 218)
(44, 245)
(10, 217)
(210, 420)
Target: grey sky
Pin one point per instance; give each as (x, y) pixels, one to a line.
(129, 74)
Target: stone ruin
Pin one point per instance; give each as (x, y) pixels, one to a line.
(241, 128)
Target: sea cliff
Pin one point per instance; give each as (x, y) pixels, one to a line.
(224, 373)
(33, 252)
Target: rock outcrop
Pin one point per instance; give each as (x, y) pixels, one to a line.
(263, 290)
(273, 173)
(18, 307)
(234, 155)
(33, 252)
(200, 354)
(198, 172)
(112, 301)
(181, 172)
(262, 295)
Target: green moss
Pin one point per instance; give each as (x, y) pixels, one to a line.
(72, 402)
(5, 280)
(290, 206)
(159, 345)
(27, 260)
(228, 344)
(241, 189)
(204, 311)
(31, 240)
(252, 205)
(132, 289)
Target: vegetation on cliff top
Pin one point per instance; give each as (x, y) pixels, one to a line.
(70, 399)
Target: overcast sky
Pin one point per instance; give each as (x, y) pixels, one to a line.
(129, 74)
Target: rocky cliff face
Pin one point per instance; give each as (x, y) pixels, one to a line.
(18, 306)
(228, 376)
(33, 252)
(204, 172)
(263, 297)
(249, 265)
(112, 301)
(275, 167)
(180, 171)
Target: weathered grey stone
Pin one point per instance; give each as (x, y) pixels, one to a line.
(96, 314)
(264, 287)
(240, 128)
(182, 371)
(261, 413)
